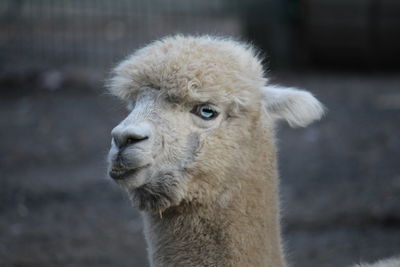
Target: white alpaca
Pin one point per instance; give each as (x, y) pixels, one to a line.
(197, 151)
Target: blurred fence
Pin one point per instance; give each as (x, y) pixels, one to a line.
(359, 33)
(95, 33)
(295, 33)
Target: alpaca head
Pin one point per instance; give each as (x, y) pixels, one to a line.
(195, 104)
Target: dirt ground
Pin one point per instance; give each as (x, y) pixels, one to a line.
(340, 177)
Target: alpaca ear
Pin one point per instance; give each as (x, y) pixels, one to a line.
(299, 108)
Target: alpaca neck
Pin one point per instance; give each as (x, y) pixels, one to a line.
(237, 226)
(243, 232)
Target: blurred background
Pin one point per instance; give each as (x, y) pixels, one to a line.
(340, 178)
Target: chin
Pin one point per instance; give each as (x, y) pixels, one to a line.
(133, 178)
(158, 193)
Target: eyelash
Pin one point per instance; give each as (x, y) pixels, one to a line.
(202, 110)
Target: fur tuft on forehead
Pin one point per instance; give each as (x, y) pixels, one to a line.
(202, 68)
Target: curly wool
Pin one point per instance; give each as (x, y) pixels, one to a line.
(192, 68)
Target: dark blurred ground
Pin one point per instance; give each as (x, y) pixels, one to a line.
(340, 177)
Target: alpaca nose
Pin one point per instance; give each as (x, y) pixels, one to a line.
(127, 140)
(127, 136)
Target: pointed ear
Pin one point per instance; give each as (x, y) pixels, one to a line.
(299, 108)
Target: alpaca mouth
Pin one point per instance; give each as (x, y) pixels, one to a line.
(122, 173)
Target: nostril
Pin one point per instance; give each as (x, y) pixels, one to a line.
(129, 140)
(126, 135)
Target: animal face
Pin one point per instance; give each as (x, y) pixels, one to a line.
(156, 148)
(200, 115)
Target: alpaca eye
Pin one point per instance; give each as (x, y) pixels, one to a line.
(205, 112)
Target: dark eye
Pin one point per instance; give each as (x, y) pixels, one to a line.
(205, 112)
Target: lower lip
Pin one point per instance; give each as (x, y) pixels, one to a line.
(118, 175)
(121, 175)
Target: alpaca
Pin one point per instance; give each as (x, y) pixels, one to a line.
(197, 151)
